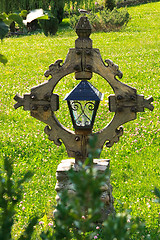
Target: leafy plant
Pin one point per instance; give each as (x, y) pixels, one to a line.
(6, 22)
(3, 28)
(49, 26)
(121, 226)
(110, 4)
(157, 193)
(23, 14)
(78, 214)
(57, 9)
(80, 211)
(3, 31)
(73, 5)
(106, 21)
(46, 21)
(3, 59)
(114, 20)
(10, 196)
(12, 17)
(8, 6)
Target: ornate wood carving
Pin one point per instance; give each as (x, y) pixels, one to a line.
(83, 60)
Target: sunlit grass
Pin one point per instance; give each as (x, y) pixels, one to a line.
(134, 159)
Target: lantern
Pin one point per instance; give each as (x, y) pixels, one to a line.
(83, 102)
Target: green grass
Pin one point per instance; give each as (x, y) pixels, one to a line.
(134, 159)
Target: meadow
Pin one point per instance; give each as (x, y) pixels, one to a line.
(134, 160)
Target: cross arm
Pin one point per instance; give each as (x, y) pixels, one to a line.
(136, 103)
(30, 102)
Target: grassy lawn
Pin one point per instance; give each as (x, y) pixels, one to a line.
(134, 159)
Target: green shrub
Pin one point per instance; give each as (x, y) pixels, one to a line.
(106, 21)
(74, 20)
(10, 196)
(11, 19)
(114, 20)
(110, 4)
(3, 31)
(57, 9)
(50, 26)
(16, 5)
(77, 215)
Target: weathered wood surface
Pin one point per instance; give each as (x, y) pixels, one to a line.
(83, 60)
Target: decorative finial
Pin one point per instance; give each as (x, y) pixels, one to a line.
(83, 28)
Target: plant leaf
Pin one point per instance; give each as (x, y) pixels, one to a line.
(16, 18)
(29, 229)
(3, 59)
(157, 192)
(3, 16)
(3, 30)
(23, 13)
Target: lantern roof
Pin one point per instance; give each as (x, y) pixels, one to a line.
(84, 91)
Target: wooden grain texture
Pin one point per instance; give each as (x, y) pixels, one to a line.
(83, 60)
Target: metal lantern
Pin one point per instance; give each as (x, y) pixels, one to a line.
(83, 102)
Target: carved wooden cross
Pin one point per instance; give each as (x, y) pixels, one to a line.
(83, 60)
